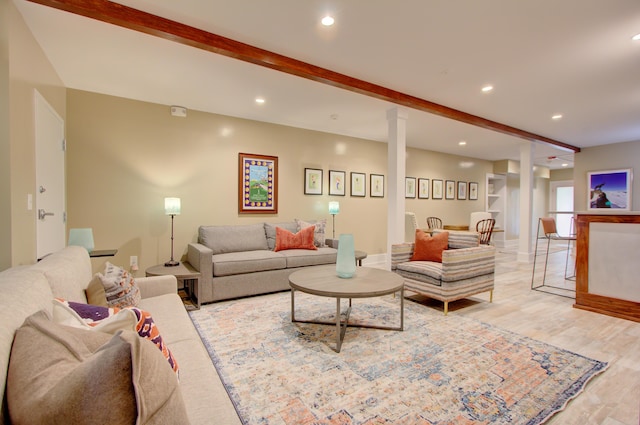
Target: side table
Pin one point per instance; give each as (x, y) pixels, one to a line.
(360, 255)
(186, 275)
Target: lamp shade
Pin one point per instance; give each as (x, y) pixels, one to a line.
(334, 207)
(172, 206)
(82, 237)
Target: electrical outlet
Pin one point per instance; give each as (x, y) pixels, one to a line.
(133, 262)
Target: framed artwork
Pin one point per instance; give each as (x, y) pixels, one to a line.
(409, 187)
(610, 189)
(336, 182)
(257, 184)
(423, 188)
(436, 189)
(462, 190)
(312, 181)
(358, 184)
(473, 191)
(450, 189)
(376, 186)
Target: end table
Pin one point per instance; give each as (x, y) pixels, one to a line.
(186, 275)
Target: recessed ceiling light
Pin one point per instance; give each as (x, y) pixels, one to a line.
(260, 100)
(462, 143)
(636, 37)
(564, 164)
(556, 117)
(487, 89)
(327, 21)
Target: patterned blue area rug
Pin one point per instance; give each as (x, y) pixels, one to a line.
(439, 370)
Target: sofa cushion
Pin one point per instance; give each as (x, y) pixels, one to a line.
(68, 272)
(224, 239)
(460, 238)
(247, 262)
(111, 320)
(119, 287)
(62, 386)
(305, 257)
(428, 248)
(270, 231)
(301, 240)
(319, 233)
(422, 271)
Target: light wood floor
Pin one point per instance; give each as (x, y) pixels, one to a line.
(613, 397)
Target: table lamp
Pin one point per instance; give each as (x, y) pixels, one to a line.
(334, 208)
(172, 208)
(82, 237)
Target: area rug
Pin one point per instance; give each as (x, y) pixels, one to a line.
(439, 370)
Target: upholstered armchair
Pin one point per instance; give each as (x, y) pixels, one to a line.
(467, 268)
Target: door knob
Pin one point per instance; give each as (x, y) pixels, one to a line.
(42, 214)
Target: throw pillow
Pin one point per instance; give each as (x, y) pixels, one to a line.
(95, 292)
(119, 287)
(301, 240)
(427, 248)
(318, 236)
(62, 387)
(112, 320)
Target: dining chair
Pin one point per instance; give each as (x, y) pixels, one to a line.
(476, 216)
(550, 233)
(434, 223)
(485, 228)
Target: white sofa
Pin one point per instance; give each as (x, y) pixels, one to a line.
(65, 274)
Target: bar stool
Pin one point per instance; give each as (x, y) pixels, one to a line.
(550, 232)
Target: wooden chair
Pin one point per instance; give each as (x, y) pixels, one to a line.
(434, 223)
(485, 228)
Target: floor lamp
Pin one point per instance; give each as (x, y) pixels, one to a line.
(334, 208)
(172, 208)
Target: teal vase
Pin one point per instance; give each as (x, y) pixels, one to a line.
(346, 262)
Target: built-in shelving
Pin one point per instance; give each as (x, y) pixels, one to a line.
(496, 190)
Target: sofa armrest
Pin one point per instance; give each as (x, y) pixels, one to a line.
(201, 258)
(401, 253)
(465, 263)
(153, 286)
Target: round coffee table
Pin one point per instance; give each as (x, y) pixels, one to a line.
(366, 283)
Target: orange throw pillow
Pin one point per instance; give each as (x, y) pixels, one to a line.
(427, 248)
(301, 240)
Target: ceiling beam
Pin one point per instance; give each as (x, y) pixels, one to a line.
(124, 16)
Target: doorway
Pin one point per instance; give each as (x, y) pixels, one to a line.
(50, 188)
(561, 204)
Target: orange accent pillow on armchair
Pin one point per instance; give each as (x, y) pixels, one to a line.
(428, 248)
(301, 240)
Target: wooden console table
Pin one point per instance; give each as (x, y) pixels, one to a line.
(607, 266)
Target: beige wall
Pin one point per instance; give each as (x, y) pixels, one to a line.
(29, 70)
(5, 164)
(125, 156)
(607, 157)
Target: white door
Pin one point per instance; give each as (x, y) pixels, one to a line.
(562, 203)
(50, 189)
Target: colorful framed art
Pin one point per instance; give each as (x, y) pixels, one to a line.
(257, 184)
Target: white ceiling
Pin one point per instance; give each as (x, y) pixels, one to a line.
(544, 57)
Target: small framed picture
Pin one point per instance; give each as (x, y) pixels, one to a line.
(336, 182)
(312, 181)
(376, 186)
(609, 189)
(473, 191)
(423, 188)
(436, 189)
(358, 184)
(462, 190)
(450, 189)
(410, 187)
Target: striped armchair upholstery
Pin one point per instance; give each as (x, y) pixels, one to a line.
(467, 269)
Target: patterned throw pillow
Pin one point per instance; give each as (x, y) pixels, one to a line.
(318, 236)
(111, 320)
(119, 287)
(301, 240)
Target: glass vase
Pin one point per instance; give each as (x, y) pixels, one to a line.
(346, 261)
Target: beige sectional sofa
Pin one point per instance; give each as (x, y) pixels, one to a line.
(239, 260)
(26, 290)
(467, 268)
